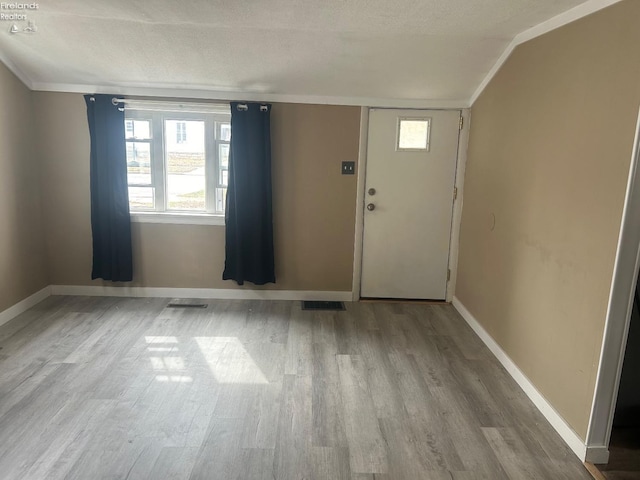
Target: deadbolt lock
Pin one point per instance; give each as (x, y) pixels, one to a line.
(371, 191)
(371, 207)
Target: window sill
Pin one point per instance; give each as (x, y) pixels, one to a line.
(177, 218)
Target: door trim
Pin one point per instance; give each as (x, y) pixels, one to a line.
(461, 162)
(616, 329)
(359, 234)
(456, 221)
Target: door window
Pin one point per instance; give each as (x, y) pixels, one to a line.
(413, 134)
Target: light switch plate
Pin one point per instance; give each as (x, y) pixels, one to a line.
(348, 168)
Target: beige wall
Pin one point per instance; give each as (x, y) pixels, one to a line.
(22, 259)
(314, 205)
(550, 147)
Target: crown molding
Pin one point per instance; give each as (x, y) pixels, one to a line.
(547, 26)
(205, 93)
(13, 68)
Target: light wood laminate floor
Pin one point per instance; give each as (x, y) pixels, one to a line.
(115, 388)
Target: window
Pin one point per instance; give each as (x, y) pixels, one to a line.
(181, 132)
(128, 125)
(413, 134)
(177, 157)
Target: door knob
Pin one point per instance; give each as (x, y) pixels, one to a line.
(371, 207)
(371, 191)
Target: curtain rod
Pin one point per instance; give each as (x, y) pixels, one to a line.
(244, 107)
(134, 101)
(116, 101)
(170, 105)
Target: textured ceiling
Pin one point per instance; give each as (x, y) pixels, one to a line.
(437, 50)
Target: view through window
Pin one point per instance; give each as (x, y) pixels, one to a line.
(178, 158)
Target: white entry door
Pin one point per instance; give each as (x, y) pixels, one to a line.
(409, 194)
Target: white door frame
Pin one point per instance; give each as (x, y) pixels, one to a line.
(623, 285)
(461, 161)
(361, 170)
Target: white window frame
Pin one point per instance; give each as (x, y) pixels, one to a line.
(157, 113)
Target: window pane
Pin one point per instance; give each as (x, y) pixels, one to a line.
(138, 129)
(223, 153)
(181, 132)
(141, 198)
(139, 163)
(221, 199)
(413, 134)
(225, 132)
(223, 178)
(185, 162)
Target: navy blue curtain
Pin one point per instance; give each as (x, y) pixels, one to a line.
(248, 216)
(110, 220)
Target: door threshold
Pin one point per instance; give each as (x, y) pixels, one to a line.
(594, 471)
(404, 300)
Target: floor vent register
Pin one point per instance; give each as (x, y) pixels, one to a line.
(322, 306)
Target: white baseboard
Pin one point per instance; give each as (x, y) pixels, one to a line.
(597, 455)
(24, 305)
(213, 293)
(570, 437)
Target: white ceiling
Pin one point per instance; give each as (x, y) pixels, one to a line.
(397, 50)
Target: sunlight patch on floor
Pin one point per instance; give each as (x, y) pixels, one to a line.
(170, 366)
(229, 361)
